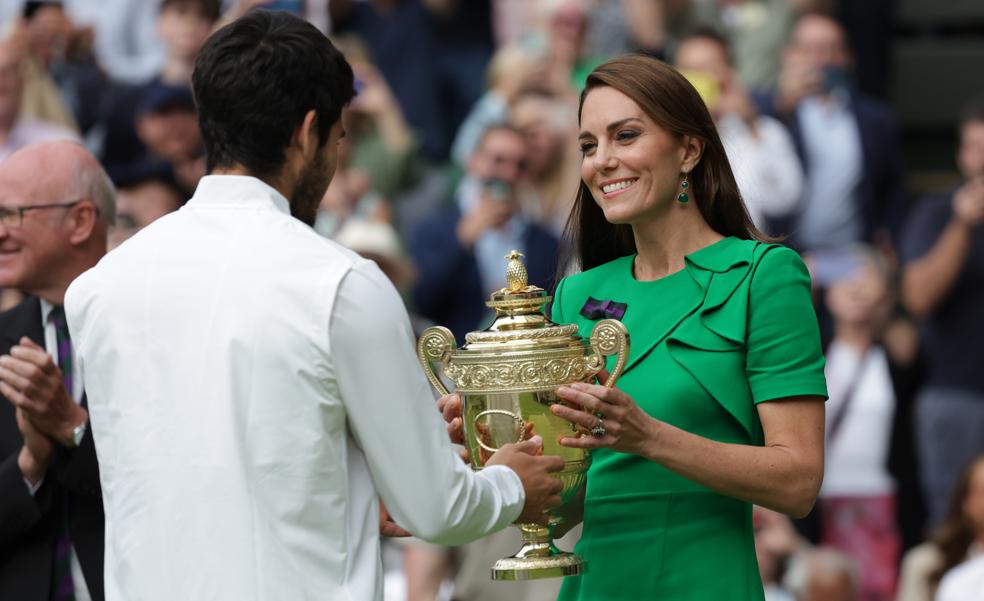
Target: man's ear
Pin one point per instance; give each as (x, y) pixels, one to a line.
(81, 221)
(693, 150)
(305, 137)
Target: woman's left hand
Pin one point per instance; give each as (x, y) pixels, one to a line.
(610, 418)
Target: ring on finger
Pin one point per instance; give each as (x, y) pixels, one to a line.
(598, 431)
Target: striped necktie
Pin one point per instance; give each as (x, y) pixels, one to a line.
(62, 586)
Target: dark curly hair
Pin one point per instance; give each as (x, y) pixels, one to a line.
(254, 81)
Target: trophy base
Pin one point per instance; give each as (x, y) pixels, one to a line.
(533, 568)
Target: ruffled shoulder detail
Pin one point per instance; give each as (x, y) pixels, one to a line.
(706, 329)
(711, 345)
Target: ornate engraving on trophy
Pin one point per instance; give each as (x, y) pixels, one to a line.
(507, 376)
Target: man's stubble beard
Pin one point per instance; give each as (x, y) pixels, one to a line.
(310, 189)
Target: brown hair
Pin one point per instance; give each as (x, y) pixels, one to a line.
(956, 533)
(672, 102)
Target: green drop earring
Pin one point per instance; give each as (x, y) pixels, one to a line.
(683, 197)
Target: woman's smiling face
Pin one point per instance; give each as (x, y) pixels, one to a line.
(631, 165)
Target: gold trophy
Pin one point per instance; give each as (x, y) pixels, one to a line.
(507, 377)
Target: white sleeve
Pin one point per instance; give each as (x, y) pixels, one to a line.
(392, 415)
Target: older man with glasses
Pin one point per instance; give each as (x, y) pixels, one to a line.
(56, 206)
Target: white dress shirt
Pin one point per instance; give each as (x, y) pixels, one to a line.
(253, 387)
(857, 454)
(766, 166)
(835, 165)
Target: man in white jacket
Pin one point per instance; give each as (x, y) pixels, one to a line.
(252, 387)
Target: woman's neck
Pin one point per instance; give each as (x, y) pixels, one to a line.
(662, 243)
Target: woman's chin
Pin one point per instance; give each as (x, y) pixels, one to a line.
(617, 217)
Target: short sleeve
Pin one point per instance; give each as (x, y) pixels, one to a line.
(783, 353)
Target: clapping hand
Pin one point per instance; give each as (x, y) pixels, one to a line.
(31, 381)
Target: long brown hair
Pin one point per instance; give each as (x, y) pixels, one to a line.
(956, 533)
(672, 102)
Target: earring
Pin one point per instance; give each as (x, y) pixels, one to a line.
(683, 197)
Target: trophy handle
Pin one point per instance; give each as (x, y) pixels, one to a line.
(609, 337)
(435, 344)
(518, 419)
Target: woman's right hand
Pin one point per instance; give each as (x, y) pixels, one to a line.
(450, 407)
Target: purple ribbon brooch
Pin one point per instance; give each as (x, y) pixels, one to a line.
(598, 309)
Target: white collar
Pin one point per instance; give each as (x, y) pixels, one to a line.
(237, 191)
(46, 309)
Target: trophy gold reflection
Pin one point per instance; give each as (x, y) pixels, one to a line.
(507, 377)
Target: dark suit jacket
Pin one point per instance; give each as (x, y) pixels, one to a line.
(881, 191)
(29, 525)
(449, 288)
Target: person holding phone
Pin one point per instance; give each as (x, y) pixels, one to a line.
(759, 147)
(847, 143)
(460, 251)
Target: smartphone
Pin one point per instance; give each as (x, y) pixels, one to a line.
(836, 78)
(497, 188)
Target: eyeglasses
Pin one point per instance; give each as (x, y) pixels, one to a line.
(13, 217)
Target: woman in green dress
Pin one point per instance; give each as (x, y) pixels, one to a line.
(720, 405)
(721, 402)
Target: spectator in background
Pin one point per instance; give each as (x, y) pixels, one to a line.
(56, 205)
(63, 83)
(167, 126)
(143, 195)
(513, 68)
(823, 575)
(960, 537)
(16, 130)
(943, 285)
(624, 26)
(759, 148)
(460, 251)
(756, 30)
(553, 158)
(857, 506)
(569, 62)
(464, 47)
(381, 161)
(431, 52)
(847, 141)
(183, 26)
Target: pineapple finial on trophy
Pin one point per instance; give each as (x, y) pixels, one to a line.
(517, 278)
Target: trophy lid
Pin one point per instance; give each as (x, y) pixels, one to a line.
(519, 312)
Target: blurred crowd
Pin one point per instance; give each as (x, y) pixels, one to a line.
(462, 145)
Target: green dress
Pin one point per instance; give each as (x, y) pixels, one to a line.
(734, 328)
